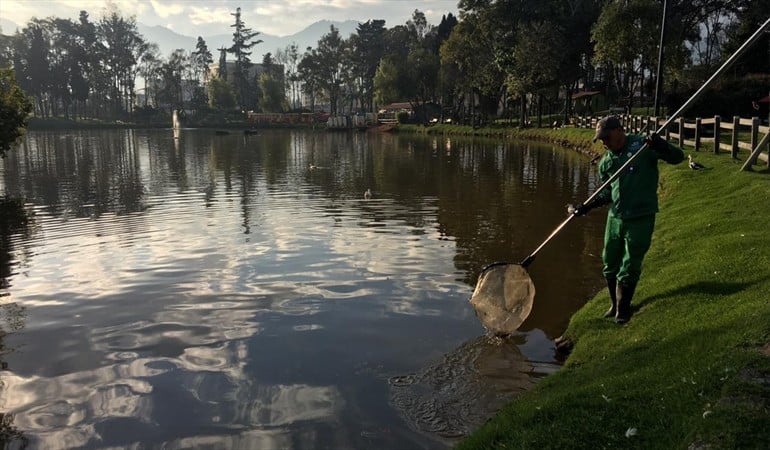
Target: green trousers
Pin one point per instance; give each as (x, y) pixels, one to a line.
(625, 244)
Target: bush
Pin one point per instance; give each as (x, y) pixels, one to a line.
(402, 117)
(150, 114)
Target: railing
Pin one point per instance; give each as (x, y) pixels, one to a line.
(695, 133)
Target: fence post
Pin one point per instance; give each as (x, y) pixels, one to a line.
(666, 133)
(697, 134)
(717, 131)
(734, 143)
(681, 132)
(754, 137)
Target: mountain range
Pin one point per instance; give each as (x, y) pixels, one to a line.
(168, 40)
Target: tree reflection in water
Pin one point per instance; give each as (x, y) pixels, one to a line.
(13, 219)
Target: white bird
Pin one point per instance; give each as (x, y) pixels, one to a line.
(694, 165)
(313, 167)
(368, 194)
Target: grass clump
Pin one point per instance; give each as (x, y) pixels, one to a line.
(692, 367)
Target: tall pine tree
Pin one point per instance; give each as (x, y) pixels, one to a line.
(243, 41)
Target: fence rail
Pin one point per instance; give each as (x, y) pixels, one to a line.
(731, 136)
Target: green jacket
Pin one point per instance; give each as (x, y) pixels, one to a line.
(635, 192)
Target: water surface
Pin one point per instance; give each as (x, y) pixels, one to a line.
(240, 292)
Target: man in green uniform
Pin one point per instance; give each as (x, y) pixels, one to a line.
(634, 202)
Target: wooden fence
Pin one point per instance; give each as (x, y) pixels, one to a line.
(725, 135)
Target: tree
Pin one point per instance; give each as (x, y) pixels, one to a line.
(418, 25)
(747, 21)
(15, 108)
(410, 70)
(444, 29)
(574, 19)
(31, 65)
(331, 66)
(619, 25)
(221, 94)
(388, 80)
(309, 72)
(6, 51)
(498, 52)
(222, 67)
(62, 61)
(367, 49)
(423, 68)
(201, 59)
(289, 57)
(123, 46)
(470, 65)
(273, 95)
(149, 68)
(538, 46)
(243, 40)
(172, 76)
(89, 50)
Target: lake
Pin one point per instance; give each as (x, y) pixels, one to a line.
(241, 291)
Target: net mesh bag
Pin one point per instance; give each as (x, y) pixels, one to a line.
(503, 298)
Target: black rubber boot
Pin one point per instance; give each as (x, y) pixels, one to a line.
(625, 293)
(612, 286)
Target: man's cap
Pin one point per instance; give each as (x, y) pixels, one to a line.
(604, 126)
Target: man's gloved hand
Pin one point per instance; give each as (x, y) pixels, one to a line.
(657, 143)
(579, 210)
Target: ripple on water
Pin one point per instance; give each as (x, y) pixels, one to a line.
(459, 393)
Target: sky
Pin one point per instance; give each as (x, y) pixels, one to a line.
(209, 17)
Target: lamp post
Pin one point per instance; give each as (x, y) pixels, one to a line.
(659, 76)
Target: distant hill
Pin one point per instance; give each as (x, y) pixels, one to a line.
(168, 40)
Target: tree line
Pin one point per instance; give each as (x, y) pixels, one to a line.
(509, 57)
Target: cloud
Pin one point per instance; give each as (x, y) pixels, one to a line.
(165, 10)
(96, 8)
(200, 17)
(21, 11)
(206, 15)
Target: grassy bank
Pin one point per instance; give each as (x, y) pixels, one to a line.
(692, 368)
(59, 123)
(574, 138)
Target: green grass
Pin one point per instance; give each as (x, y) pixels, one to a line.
(692, 367)
(576, 138)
